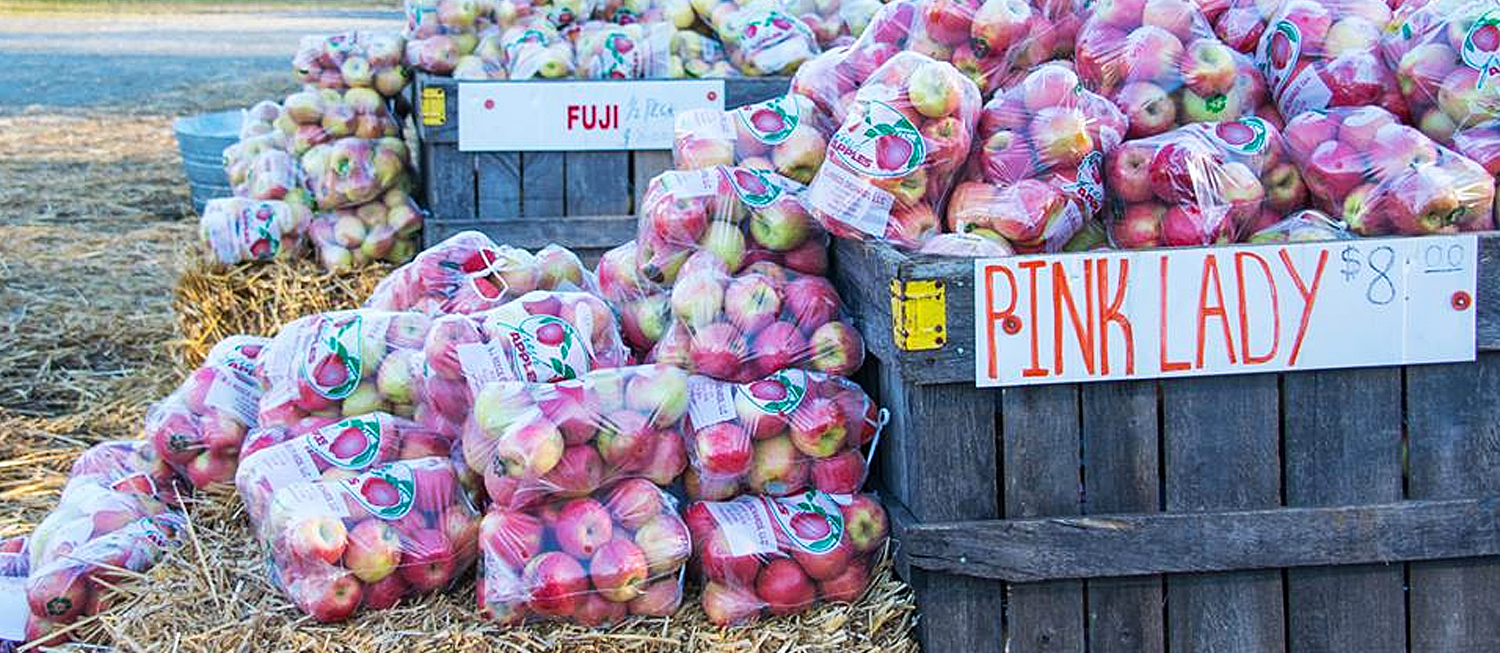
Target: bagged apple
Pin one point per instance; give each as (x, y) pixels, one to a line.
(761, 556)
(591, 560)
(1382, 177)
(760, 37)
(199, 428)
(70, 580)
(1200, 184)
(469, 273)
(786, 135)
(695, 55)
(234, 230)
(778, 436)
(344, 448)
(643, 306)
(1304, 226)
(892, 162)
(239, 156)
(635, 51)
(317, 117)
(345, 363)
(387, 228)
(1318, 55)
(1443, 55)
(534, 49)
(128, 466)
(835, 22)
(439, 32)
(353, 59)
(1036, 175)
(533, 442)
(539, 337)
(970, 245)
(737, 215)
(401, 529)
(1161, 64)
(743, 327)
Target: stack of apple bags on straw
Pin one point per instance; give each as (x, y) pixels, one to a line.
(324, 169)
(625, 39)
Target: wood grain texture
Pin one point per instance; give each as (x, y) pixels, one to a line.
(1453, 440)
(1095, 546)
(645, 165)
(598, 183)
(1120, 430)
(498, 184)
(448, 179)
(573, 231)
(1342, 442)
(1039, 436)
(1221, 437)
(542, 190)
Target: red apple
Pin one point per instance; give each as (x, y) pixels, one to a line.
(618, 570)
(865, 523)
(515, 537)
(429, 562)
(847, 586)
(583, 525)
(730, 605)
(556, 582)
(328, 597)
(785, 587)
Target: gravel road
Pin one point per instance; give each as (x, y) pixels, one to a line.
(96, 59)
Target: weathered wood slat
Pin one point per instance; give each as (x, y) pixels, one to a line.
(597, 183)
(542, 190)
(1342, 444)
(449, 181)
(1453, 440)
(1220, 436)
(1039, 437)
(644, 166)
(1052, 548)
(576, 231)
(497, 181)
(954, 361)
(1119, 429)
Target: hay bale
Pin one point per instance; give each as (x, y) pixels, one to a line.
(212, 302)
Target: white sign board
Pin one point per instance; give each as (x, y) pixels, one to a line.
(529, 116)
(1107, 316)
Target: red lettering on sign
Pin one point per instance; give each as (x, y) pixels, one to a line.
(1083, 328)
(594, 118)
(1109, 311)
(1036, 368)
(1239, 273)
(1308, 297)
(573, 110)
(1166, 365)
(993, 317)
(1211, 267)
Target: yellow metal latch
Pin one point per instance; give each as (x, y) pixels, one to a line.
(434, 107)
(919, 314)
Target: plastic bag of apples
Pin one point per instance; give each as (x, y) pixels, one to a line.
(761, 38)
(352, 171)
(761, 556)
(199, 428)
(1200, 184)
(534, 49)
(439, 32)
(1305, 226)
(313, 117)
(786, 134)
(1037, 174)
(1443, 54)
(591, 560)
(893, 160)
(342, 363)
(838, 22)
(234, 230)
(765, 319)
(635, 51)
(384, 229)
(695, 55)
(340, 449)
(540, 337)
(533, 441)
(643, 306)
(737, 215)
(129, 465)
(1383, 177)
(274, 175)
(1161, 64)
(1319, 54)
(352, 59)
(104, 527)
(469, 273)
(781, 435)
(370, 540)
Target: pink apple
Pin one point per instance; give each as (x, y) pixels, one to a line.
(730, 605)
(841, 473)
(374, 550)
(785, 587)
(1128, 172)
(556, 582)
(328, 597)
(618, 570)
(865, 523)
(634, 502)
(579, 472)
(1152, 55)
(659, 599)
(530, 448)
(849, 585)
(1179, 17)
(1208, 67)
(583, 525)
(723, 449)
(429, 562)
(664, 541)
(318, 538)
(515, 537)
(1332, 170)
(1148, 107)
(776, 468)
(824, 565)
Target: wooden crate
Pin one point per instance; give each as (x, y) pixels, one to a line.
(1344, 510)
(584, 200)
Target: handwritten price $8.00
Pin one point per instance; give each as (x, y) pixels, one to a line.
(1380, 290)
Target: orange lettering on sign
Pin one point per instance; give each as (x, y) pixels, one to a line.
(1239, 273)
(1166, 365)
(1083, 327)
(993, 317)
(1211, 268)
(1036, 368)
(1109, 311)
(1308, 297)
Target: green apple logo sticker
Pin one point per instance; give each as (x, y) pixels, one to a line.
(812, 521)
(770, 122)
(336, 344)
(883, 143)
(267, 240)
(779, 393)
(1088, 184)
(1243, 136)
(349, 444)
(754, 188)
(1280, 48)
(547, 348)
(1481, 49)
(385, 492)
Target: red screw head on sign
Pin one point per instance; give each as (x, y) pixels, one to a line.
(713, 95)
(1011, 324)
(489, 104)
(1461, 301)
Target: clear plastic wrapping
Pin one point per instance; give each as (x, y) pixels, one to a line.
(786, 135)
(234, 230)
(634, 51)
(1442, 55)
(1303, 227)
(199, 428)
(353, 171)
(760, 37)
(644, 307)
(353, 59)
(387, 228)
(469, 273)
(1318, 54)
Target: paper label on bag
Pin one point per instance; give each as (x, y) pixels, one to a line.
(13, 608)
(230, 393)
(336, 343)
(1277, 56)
(706, 124)
(1088, 183)
(850, 199)
(312, 498)
(352, 443)
(687, 184)
(482, 363)
(755, 188)
(881, 143)
(541, 348)
(279, 466)
(811, 522)
(780, 393)
(746, 525)
(710, 402)
(772, 121)
(774, 40)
